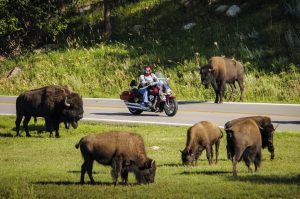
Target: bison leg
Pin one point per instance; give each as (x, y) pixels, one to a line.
(17, 122)
(116, 169)
(56, 127)
(235, 160)
(87, 166)
(217, 144)
(257, 160)
(232, 86)
(124, 176)
(241, 85)
(208, 154)
(247, 161)
(25, 124)
(222, 91)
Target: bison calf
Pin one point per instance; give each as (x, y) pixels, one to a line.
(123, 151)
(266, 128)
(202, 135)
(220, 71)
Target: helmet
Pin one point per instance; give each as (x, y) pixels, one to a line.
(147, 70)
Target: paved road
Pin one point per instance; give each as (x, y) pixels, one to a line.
(115, 111)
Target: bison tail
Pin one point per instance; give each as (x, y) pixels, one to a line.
(78, 144)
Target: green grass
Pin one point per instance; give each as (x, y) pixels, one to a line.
(40, 167)
(97, 69)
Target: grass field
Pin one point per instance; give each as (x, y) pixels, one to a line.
(40, 167)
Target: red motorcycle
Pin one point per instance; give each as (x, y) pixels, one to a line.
(160, 98)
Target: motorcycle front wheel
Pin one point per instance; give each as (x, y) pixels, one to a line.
(171, 107)
(135, 111)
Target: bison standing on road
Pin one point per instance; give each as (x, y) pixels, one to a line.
(202, 135)
(55, 103)
(265, 126)
(244, 141)
(123, 151)
(220, 71)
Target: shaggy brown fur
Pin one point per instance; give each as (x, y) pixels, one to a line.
(220, 71)
(266, 129)
(55, 103)
(202, 135)
(244, 142)
(123, 151)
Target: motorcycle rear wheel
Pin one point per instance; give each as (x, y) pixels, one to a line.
(135, 111)
(172, 108)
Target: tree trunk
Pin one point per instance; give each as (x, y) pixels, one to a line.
(107, 14)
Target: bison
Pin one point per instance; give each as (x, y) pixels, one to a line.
(123, 151)
(55, 103)
(220, 71)
(202, 135)
(244, 141)
(265, 126)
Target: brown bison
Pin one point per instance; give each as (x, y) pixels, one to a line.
(220, 71)
(123, 151)
(244, 141)
(265, 126)
(55, 103)
(202, 135)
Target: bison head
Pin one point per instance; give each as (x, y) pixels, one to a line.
(207, 75)
(72, 110)
(146, 174)
(267, 138)
(188, 156)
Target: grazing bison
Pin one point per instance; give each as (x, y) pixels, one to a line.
(123, 151)
(55, 103)
(202, 135)
(220, 71)
(244, 141)
(265, 126)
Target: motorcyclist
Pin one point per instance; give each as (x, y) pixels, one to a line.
(147, 78)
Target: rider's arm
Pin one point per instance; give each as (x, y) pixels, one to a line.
(143, 81)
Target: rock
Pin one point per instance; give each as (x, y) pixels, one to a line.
(14, 72)
(233, 11)
(189, 26)
(222, 8)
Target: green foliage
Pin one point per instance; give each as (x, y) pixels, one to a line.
(43, 167)
(292, 7)
(25, 23)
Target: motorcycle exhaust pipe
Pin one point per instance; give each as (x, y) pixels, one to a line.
(136, 106)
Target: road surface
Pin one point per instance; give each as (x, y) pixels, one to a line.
(115, 111)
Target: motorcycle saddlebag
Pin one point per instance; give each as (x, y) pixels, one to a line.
(126, 95)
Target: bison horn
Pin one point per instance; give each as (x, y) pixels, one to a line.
(66, 103)
(276, 127)
(152, 163)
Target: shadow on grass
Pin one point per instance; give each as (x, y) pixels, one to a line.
(6, 134)
(205, 172)
(66, 183)
(267, 179)
(94, 172)
(170, 165)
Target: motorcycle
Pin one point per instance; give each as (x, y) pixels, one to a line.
(160, 97)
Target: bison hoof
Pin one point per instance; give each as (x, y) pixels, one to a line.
(28, 135)
(57, 136)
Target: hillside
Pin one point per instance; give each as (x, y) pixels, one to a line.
(264, 36)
